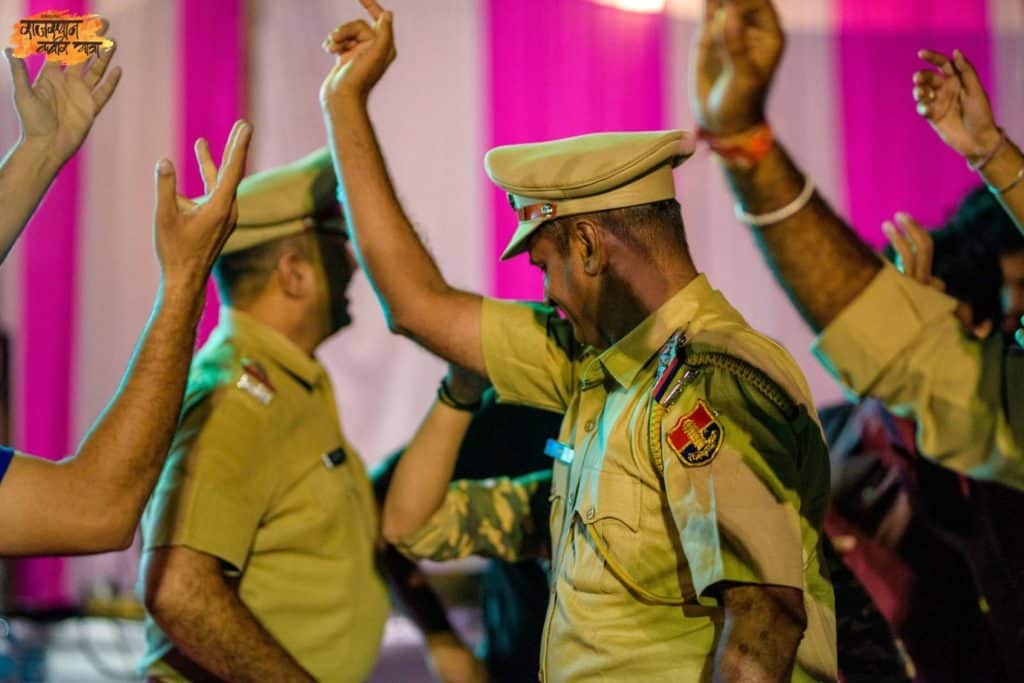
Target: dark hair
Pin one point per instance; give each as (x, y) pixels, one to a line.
(970, 269)
(645, 227)
(242, 275)
(981, 216)
(971, 272)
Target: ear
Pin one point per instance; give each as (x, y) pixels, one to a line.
(294, 274)
(590, 243)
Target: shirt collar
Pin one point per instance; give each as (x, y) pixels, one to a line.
(243, 327)
(624, 359)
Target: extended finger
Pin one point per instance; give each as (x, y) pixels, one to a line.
(968, 75)
(101, 95)
(166, 193)
(207, 167)
(904, 252)
(373, 8)
(86, 67)
(939, 60)
(384, 45)
(922, 245)
(99, 67)
(233, 168)
(19, 74)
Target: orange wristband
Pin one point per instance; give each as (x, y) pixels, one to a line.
(744, 150)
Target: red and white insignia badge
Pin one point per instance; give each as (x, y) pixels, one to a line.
(254, 381)
(697, 436)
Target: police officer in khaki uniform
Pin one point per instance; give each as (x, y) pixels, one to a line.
(259, 541)
(692, 475)
(882, 334)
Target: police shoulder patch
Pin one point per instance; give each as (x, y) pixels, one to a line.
(254, 381)
(697, 436)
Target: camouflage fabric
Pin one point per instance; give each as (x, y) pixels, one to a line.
(493, 518)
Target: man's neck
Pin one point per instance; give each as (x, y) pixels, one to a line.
(646, 288)
(286, 322)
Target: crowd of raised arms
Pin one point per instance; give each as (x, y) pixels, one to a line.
(649, 474)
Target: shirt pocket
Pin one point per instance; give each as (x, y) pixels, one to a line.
(327, 509)
(608, 506)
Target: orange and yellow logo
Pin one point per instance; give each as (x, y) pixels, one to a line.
(61, 36)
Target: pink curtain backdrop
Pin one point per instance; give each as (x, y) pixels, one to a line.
(559, 69)
(893, 160)
(470, 75)
(212, 82)
(46, 348)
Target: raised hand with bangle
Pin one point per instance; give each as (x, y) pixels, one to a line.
(952, 99)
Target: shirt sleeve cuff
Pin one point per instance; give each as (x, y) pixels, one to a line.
(519, 357)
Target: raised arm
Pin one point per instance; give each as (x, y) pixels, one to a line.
(414, 491)
(92, 501)
(953, 100)
(424, 471)
(736, 55)
(416, 299)
(55, 114)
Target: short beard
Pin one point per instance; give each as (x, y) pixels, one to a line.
(618, 307)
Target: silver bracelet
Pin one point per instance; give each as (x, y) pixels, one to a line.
(779, 215)
(1013, 183)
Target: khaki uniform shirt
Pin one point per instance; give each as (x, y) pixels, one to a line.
(638, 547)
(900, 342)
(247, 481)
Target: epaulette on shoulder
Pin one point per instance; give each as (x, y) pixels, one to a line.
(254, 380)
(754, 376)
(688, 361)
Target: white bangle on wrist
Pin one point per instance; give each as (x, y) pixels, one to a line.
(779, 215)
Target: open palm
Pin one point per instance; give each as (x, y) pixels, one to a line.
(954, 102)
(59, 108)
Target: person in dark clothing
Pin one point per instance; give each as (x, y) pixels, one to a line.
(502, 440)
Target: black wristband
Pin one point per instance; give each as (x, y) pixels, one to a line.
(444, 395)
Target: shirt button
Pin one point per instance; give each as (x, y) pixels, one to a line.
(589, 426)
(590, 513)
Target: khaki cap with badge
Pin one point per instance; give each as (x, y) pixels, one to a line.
(286, 201)
(583, 174)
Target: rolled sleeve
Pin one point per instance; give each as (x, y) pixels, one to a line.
(880, 328)
(527, 351)
(900, 342)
